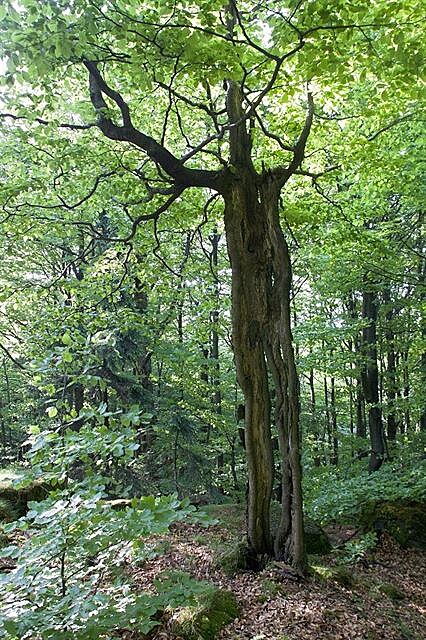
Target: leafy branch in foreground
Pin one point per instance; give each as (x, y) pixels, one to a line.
(70, 579)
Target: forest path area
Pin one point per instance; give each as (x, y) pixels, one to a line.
(381, 596)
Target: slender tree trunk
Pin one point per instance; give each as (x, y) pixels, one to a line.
(217, 397)
(361, 431)
(175, 462)
(289, 542)
(398, 391)
(214, 351)
(422, 273)
(314, 427)
(349, 386)
(9, 401)
(335, 457)
(233, 462)
(423, 411)
(381, 378)
(406, 390)
(3, 433)
(391, 384)
(371, 382)
(204, 377)
(328, 428)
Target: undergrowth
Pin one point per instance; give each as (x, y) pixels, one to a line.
(334, 495)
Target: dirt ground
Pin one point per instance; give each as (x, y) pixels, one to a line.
(383, 596)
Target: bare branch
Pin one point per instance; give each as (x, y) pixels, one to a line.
(99, 83)
(391, 124)
(188, 101)
(283, 174)
(12, 358)
(273, 136)
(342, 27)
(63, 125)
(151, 216)
(249, 41)
(63, 203)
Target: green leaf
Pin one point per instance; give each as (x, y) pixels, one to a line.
(66, 339)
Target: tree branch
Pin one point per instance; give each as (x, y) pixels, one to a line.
(128, 133)
(283, 174)
(391, 124)
(63, 125)
(249, 41)
(151, 216)
(12, 358)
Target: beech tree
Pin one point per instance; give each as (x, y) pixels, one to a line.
(222, 98)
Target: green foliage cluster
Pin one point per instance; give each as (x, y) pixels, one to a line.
(329, 497)
(355, 550)
(70, 579)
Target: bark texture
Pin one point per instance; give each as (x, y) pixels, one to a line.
(262, 342)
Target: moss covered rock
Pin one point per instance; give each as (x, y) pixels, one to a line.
(405, 521)
(203, 621)
(7, 511)
(236, 557)
(17, 498)
(316, 540)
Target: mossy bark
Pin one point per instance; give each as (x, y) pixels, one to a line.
(262, 342)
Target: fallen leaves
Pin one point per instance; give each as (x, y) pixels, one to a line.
(312, 609)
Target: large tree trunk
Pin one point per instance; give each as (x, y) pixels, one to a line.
(245, 230)
(261, 281)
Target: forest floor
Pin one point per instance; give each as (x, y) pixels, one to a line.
(381, 596)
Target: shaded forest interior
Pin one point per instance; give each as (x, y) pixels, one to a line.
(212, 320)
